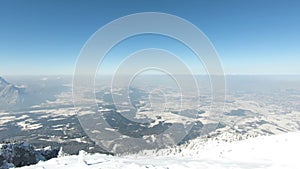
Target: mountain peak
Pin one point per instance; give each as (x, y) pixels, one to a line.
(10, 95)
(3, 81)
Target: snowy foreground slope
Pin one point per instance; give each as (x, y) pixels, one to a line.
(277, 151)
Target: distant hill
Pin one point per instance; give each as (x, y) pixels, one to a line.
(10, 95)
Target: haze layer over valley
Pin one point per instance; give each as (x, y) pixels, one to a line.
(255, 106)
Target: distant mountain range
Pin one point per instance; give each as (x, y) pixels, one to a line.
(10, 94)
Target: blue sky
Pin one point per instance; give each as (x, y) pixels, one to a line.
(251, 37)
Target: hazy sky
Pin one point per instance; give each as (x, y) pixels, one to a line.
(250, 36)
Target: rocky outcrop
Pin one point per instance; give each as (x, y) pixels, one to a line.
(23, 154)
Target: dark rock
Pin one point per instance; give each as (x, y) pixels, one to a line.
(23, 154)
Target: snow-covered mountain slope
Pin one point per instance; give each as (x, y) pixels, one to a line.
(276, 152)
(10, 95)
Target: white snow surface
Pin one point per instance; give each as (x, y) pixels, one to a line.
(270, 152)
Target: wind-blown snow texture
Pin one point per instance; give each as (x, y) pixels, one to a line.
(276, 152)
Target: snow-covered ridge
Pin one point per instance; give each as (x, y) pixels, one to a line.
(277, 151)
